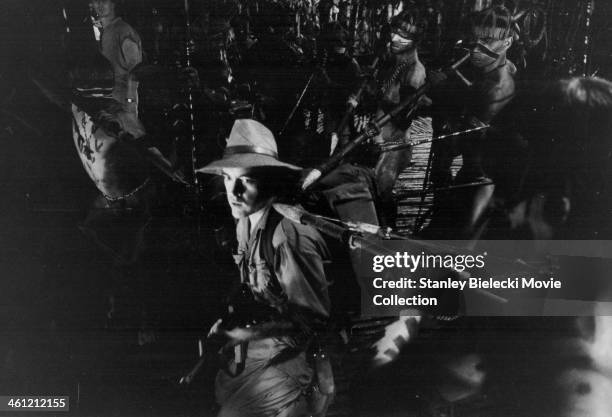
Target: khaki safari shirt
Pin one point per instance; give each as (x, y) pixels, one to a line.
(121, 45)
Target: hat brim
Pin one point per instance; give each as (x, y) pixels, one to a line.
(245, 161)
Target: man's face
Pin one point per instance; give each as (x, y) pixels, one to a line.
(488, 51)
(402, 38)
(103, 8)
(401, 42)
(243, 191)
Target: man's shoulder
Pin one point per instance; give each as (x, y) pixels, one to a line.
(419, 73)
(501, 85)
(124, 29)
(415, 75)
(295, 235)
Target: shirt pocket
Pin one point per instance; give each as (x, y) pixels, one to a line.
(260, 276)
(265, 283)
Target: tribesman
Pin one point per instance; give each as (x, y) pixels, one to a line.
(350, 188)
(338, 78)
(463, 104)
(354, 191)
(400, 76)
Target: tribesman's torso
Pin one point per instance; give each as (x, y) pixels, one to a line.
(402, 75)
(396, 82)
(455, 103)
(493, 92)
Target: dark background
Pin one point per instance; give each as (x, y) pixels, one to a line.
(56, 337)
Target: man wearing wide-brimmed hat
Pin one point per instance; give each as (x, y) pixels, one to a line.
(281, 269)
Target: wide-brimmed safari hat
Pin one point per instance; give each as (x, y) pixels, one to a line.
(250, 145)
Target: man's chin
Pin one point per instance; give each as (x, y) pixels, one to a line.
(239, 213)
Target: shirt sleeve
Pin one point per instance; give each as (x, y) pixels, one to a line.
(132, 53)
(299, 269)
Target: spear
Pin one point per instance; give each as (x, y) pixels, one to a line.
(371, 244)
(411, 144)
(354, 101)
(297, 104)
(373, 129)
(190, 101)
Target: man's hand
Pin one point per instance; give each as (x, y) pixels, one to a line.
(216, 329)
(309, 176)
(255, 332)
(397, 334)
(352, 101)
(239, 335)
(234, 336)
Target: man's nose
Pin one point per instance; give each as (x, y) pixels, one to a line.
(237, 188)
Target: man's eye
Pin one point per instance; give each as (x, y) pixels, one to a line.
(248, 180)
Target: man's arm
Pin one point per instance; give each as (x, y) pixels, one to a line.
(259, 331)
(275, 328)
(300, 253)
(132, 53)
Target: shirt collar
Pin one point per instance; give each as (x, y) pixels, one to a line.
(244, 235)
(259, 219)
(112, 22)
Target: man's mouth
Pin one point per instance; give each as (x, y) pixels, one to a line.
(398, 46)
(486, 51)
